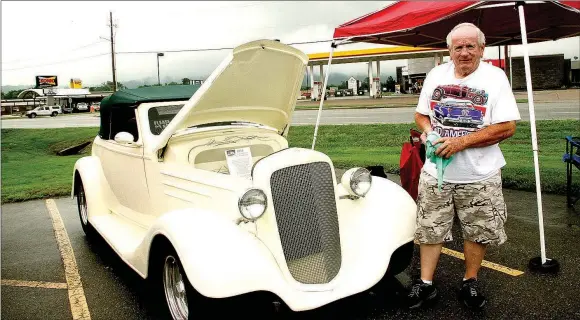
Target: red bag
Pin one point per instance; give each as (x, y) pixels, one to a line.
(411, 163)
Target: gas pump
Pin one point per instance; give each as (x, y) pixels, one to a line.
(316, 90)
(377, 87)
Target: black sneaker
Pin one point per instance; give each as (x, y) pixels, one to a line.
(420, 294)
(470, 294)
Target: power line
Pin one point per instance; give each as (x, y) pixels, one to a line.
(212, 49)
(60, 53)
(57, 62)
(138, 52)
(309, 42)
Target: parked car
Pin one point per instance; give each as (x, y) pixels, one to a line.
(458, 113)
(82, 106)
(199, 192)
(479, 97)
(52, 111)
(67, 109)
(96, 106)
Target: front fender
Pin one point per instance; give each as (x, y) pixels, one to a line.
(220, 258)
(97, 192)
(373, 227)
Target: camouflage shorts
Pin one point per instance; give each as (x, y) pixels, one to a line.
(479, 206)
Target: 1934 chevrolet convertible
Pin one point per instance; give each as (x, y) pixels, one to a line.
(197, 190)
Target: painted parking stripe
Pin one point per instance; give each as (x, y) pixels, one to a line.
(484, 263)
(76, 294)
(34, 284)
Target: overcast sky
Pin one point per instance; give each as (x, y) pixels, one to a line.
(54, 38)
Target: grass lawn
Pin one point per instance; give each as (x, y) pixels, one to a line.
(362, 145)
(32, 170)
(30, 167)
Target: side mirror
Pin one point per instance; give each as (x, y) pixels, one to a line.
(124, 138)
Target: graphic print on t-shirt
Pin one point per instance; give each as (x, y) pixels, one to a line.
(457, 110)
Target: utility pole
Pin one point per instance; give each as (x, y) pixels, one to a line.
(113, 51)
(159, 54)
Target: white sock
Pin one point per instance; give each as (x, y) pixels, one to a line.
(427, 281)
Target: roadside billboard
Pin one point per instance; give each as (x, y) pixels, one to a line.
(76, 84)
(46, 81)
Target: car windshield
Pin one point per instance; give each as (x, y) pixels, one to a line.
(224, 123)
(160, 117)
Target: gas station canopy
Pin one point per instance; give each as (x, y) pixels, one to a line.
(375, 54)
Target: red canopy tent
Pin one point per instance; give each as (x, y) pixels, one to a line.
(427, 23)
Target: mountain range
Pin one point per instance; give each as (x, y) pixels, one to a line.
(335, 78)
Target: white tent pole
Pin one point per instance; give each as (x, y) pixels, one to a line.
(332, 46)
(511, 67)
(533, 128)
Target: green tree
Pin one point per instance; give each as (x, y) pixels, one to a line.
(12, 94)
(108, 86)
(390, 84)
(364, 85)
(185, 81)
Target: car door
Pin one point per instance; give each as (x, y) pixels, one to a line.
(45, 111)
(124, 169)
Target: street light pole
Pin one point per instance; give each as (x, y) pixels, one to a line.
(160, 54)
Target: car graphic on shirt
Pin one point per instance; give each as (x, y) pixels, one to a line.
(458, 114)
(479, 97)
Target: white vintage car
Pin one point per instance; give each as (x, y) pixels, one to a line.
(196, 189)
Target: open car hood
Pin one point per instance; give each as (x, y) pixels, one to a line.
(258, 82)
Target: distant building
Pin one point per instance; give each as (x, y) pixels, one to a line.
(353, 84)
(194, 82)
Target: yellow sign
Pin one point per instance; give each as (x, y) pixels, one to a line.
(76, 84)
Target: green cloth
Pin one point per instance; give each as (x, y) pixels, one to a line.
(440, 163)
(132, 97)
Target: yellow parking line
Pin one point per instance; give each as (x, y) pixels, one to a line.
(76, 294)
(34, 284)
(484, 263)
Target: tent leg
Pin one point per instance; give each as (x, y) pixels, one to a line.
(332, 47)
(544, 265)
(511, 68)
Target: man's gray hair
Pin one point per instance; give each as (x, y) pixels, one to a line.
(480, 35)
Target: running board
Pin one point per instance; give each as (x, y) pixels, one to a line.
(121, 234)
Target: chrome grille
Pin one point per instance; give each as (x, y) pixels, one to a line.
(305, 210)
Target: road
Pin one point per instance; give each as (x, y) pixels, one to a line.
(34, 279)
(543, 111)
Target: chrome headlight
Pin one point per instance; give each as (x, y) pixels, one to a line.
(252, 204)
(357, 181)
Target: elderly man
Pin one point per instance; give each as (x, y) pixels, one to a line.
(470, 105)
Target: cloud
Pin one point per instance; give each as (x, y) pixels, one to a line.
(66, 38)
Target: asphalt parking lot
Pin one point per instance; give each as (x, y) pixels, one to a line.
(37, 283)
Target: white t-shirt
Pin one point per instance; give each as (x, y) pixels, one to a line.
(458, 107)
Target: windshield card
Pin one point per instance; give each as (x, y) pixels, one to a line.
(240, 162)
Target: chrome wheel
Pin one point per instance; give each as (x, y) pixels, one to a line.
(174, 288)
(82, 202)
